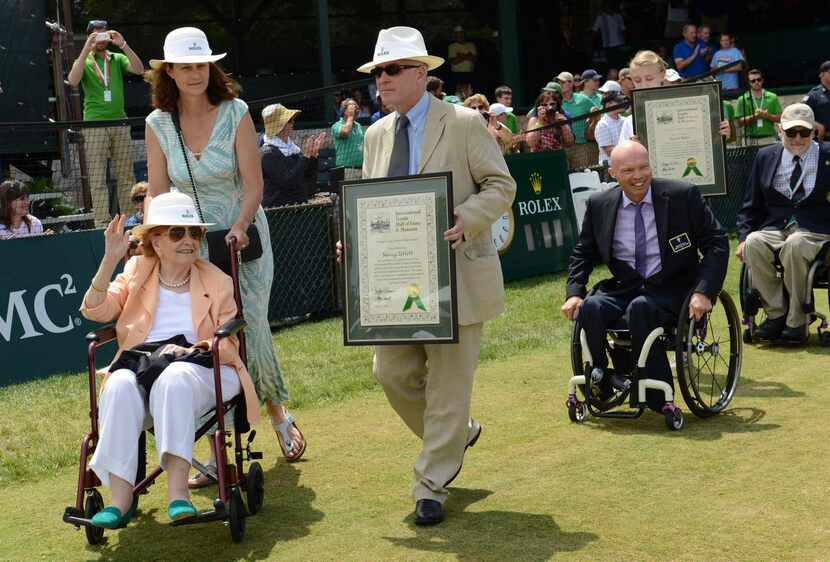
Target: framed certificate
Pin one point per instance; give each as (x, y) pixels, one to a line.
(398, 271)
(680, 126)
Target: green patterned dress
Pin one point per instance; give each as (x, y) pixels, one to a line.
(220, 193)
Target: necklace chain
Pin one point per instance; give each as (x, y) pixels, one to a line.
(174, 285)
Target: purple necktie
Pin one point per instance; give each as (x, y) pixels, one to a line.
(639, 241)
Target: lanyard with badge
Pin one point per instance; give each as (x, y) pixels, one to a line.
(105, 76)
(760, 122)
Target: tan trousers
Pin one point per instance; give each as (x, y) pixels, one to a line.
(430, 387)
(581, 156)
(798, 249)
(102, 143)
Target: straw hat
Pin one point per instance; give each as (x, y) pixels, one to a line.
(275, 117)
(170, 209)
(186, 45)
(399, 43)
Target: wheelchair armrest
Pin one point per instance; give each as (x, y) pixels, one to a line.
(230, 328)
(102, 335)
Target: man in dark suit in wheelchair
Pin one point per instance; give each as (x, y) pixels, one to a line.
(786, 212)
(660, 241)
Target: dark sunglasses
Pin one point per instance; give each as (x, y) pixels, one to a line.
(803, 133)
(391, 69)
(139, 198)
(754, 80)
(479, 107)
(176, 233)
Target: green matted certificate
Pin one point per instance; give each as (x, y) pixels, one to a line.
(398, 271)
(680, 126)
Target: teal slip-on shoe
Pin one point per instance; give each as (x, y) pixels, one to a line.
(180, 509)
(111, 518)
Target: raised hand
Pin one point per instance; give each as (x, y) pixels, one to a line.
(116, 240)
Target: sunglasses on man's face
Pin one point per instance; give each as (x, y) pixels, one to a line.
(755, 80)
(803, 133)
(391, 69)
(139, 199)
(176, 233)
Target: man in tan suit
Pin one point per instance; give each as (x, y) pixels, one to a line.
(430, 386)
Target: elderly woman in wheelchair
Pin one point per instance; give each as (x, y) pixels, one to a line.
(668, 257)
(168, 303)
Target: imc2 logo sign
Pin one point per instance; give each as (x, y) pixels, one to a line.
(33, 316)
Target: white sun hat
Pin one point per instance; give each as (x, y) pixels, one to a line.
(399, 43)
(186, 45)
(170, 209)
(610, 86)
(499, 108)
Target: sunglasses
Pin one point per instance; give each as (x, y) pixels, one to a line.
(479, 107)
(139, 198)
(754, 80)
(803, 133)
(391, 69)
(176, 233)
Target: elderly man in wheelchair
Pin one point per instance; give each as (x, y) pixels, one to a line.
(668, 258)
(784, 230)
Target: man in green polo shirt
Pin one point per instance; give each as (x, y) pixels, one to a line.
(504, 96)
(100, 74)
(348, 140)
(583, 153)
(758, 110)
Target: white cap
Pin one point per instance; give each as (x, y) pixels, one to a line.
(672, 75)
(399, 43)
(798, 115)
(500, 108)
(186, 45)
(610, 86)
(170, 209)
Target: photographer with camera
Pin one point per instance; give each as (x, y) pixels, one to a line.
(101, 75)
(549, 111)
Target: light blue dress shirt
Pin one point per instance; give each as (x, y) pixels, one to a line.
(624, 238)
(417, 125)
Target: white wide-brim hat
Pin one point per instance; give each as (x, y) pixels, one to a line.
(186, 45)
(170, 209)
(401, 43)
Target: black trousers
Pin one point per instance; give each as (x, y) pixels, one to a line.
(643, 313)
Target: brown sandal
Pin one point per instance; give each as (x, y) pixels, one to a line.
(284, 438)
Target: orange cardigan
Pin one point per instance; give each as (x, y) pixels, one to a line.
(132, 299)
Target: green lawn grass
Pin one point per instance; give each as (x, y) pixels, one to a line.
(750, 484)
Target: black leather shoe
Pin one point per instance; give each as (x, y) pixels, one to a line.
(428, 512)
(771, 328)
(797, 335)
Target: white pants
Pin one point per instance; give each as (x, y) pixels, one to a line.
(181, 394)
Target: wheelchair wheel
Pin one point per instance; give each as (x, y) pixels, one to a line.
(603, 404)
(577, 412)
(708, 357)
(674, 419)
(236, 516)
(93, 504)
(255, 487)
(751, 307)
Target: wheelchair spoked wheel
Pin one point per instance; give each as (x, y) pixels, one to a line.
(255, 488)
(92, 505)
(753, 312)
(578, 365)
(577, 412)
(709, 357)
(236, 515)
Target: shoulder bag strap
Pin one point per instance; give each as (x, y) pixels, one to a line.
(175, 117)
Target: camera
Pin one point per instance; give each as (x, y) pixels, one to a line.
(103, 36)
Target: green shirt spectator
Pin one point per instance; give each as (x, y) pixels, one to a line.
(348, 137)
(579, 104)
(96, 104)
(748, 104)
(512, 123)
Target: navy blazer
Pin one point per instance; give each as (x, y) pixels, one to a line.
(765, 208)
(686, 230)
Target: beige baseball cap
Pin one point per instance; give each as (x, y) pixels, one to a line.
(798, 115)
(565, 76)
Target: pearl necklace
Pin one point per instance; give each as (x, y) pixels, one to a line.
(174, 285)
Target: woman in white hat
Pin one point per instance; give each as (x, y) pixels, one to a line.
(221, 153)
(168, 291)
(289, 172)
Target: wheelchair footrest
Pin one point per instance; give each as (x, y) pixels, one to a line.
(202, 517)
(76, 517)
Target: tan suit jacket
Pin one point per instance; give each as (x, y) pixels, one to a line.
(132, 299)
(456, 140)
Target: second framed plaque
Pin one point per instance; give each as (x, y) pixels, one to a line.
(398, 271)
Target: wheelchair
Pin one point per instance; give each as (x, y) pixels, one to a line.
(231, 478)
(707, 356)
(818, 277)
